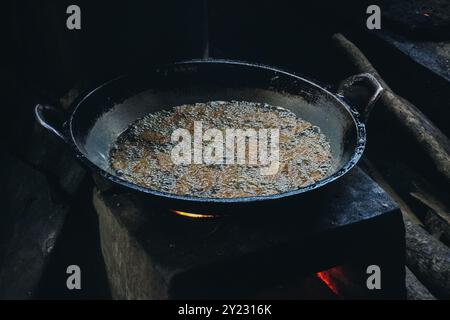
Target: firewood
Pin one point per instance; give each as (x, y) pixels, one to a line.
(434, 204)
(368, 167)
(437, 217)
(425, 255)
(422, 201)
(428, 137)
(415, 290)
(437, 227)
(428, 258)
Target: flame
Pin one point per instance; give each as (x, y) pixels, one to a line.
(327, 278)
(192, 215)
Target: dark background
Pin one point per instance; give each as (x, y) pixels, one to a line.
(46, 59)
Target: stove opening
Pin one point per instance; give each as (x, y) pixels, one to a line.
(192, 215)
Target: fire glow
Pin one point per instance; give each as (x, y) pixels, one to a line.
(192, 215)
(327, 278)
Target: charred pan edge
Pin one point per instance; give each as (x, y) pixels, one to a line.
(359, 149)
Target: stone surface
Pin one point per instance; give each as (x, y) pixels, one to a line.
(433, 55)
(418, 18)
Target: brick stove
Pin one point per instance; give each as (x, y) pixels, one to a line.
(152, 253)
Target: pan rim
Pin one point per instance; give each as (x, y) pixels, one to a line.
(355, 157)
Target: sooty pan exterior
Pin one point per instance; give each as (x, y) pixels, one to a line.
(99, 117)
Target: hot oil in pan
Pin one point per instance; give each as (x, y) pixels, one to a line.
(144, 153)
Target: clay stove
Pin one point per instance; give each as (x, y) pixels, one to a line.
(154, 253)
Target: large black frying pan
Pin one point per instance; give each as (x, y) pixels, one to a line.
(100, 116)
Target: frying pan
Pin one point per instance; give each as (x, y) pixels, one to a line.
(100, 116)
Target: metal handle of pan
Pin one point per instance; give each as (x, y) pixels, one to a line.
(363, 90)
(51, 118)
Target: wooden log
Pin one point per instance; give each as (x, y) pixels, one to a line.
(428, 258)
(428, 137)
(425, 255)
(437, 227)
(415, 290)
(420, 200)
(368, 167)
(437, 217)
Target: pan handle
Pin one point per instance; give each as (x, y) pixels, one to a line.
(51, 119)
(363, 90)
